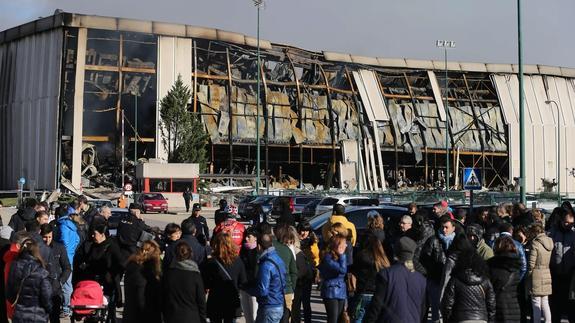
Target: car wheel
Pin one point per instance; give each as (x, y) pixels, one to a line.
(166, 212)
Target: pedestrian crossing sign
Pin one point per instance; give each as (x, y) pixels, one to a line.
(471, 179)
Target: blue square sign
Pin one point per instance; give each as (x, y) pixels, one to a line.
(472, 179)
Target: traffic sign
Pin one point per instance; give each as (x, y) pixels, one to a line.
(22, 181)
(472, 179)
(127, 187)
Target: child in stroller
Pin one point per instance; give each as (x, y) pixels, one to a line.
(88, 302)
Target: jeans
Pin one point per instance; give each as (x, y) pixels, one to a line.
(333, 309)
(249, 306)
(269, 314)
(433, 299)
(540, 305)
(67, 293)
(302, 297)
(358, 306)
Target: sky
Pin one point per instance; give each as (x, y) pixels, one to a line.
(484, 30)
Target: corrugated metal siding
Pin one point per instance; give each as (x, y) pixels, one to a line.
(30, 70)
(174, 57)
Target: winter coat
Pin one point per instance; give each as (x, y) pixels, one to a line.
(222, 289)
(199, 252)
(520, 252)
(432, 258)
(285, 253)
(101, 262)
(399, 296)
(89, 215)
(333, 273)
(4, 247)
(420, 236)
(19, 219)
(183, 294)
(484, 250)
(271, 280)
(562, 257)
(250, 259)
(142, 294)
(29, 286)
(58, 266)
(68, 236)
(504, 275)
(346, 224)
(539, 259)
(468, 296)
(129, 232)
(364, 270)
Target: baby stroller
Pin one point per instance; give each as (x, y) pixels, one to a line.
(88, 302)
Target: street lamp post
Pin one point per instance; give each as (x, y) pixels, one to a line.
(445, 44)
(522, 164)
(558, 152)
(258, 4)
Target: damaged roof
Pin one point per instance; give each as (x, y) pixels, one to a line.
(65, 19)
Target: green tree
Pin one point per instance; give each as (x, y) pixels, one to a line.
(183, 135)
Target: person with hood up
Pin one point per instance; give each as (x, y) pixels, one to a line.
(69, 237)
(562, 263)
(475, 235)
(538, 274)
(338, 216)
(28, 213)
(399, 290)
(469, 295)
(504, 269)
(28, 288)
(183, 294)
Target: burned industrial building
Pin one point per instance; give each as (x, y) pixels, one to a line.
(325, 119)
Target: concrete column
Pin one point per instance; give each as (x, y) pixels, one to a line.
(79, 108)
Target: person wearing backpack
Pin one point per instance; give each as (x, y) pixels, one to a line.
(231, 226)
(223, 274)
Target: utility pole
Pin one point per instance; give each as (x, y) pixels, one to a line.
(521, 108)
(258, 4)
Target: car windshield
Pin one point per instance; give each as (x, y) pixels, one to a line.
(328, 201)
(262, 199)
(319, 220)
(153, 197)
(305, 200)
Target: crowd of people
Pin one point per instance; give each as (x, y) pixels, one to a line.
(500, 264)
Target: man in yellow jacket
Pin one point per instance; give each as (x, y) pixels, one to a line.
(338, 216)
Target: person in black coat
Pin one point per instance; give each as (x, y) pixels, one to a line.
(4, 247)
(142, 285)
(130, 230)
(28, 285)
(249, 256)
(199, 252)
(58, 267)
(22, 216)
(101, 260)
(504, 270)
(183, 295)
(224, 274)
(469, 295)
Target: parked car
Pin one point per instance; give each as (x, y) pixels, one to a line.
(243, 203)
(327, 203)
(99, 203)
(308, 211)
(117, 215)
(358, 216)
(296, 204)
(265, 201)
(153, 202)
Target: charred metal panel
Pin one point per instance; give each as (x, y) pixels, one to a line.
(30, 71)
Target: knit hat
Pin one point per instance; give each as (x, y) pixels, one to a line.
(405, 249)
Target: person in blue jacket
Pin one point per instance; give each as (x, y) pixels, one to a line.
(333, 269)
(270, 283)
(69, 237)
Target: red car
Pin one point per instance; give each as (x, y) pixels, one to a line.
(153, 202)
